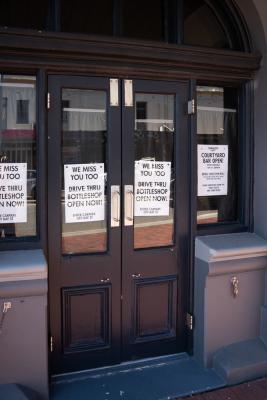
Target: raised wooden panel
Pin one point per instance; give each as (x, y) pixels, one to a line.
(86, 318)
(154, 309)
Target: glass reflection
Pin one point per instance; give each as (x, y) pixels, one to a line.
(17, 156)
(217, 129)
(154, 170)
(142, 19)
(202, 27)
(84, 129)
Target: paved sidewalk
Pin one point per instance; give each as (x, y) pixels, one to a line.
(255, 390)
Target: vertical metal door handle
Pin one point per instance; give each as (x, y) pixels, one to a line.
(116, 195)
(130, 216)
(128, 205)
(115, 206)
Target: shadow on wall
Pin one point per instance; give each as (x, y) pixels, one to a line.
(255, 14)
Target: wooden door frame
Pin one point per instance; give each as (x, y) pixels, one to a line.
(182, 140)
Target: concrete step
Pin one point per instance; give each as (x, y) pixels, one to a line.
(241, 361)
(161, 378)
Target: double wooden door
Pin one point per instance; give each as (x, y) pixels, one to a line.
(118, 201)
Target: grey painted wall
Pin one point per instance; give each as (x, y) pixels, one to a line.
(221, 318)
(23, 338)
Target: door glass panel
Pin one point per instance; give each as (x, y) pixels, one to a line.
(18, 158)
(154, 170)
(217, 140)
(83, 197)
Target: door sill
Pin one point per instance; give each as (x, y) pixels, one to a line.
(67, 376)
(161, 378)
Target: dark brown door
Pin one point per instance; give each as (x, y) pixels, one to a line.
(155, 245)
(118, 219)
(84, 252)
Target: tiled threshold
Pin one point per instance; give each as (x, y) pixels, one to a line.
(162, 378)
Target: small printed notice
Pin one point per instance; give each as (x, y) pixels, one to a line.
(84, 192)
(13, 193)
(152, 188)
(212, 170)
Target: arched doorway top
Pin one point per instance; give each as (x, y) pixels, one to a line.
(206, 23)
(216, 24)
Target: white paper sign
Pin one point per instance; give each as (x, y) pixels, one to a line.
(152, 188)
(84, 192)
(212, 170)
(13, 193)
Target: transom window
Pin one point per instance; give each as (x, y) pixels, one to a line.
(202, 27)
(192, 22)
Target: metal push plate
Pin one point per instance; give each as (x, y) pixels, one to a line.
(114, 92)
(128, 93)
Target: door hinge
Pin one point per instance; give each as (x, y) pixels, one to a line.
(190, 321)
(51, 344)
(121, 297)
(48, 101)
(191, 109)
